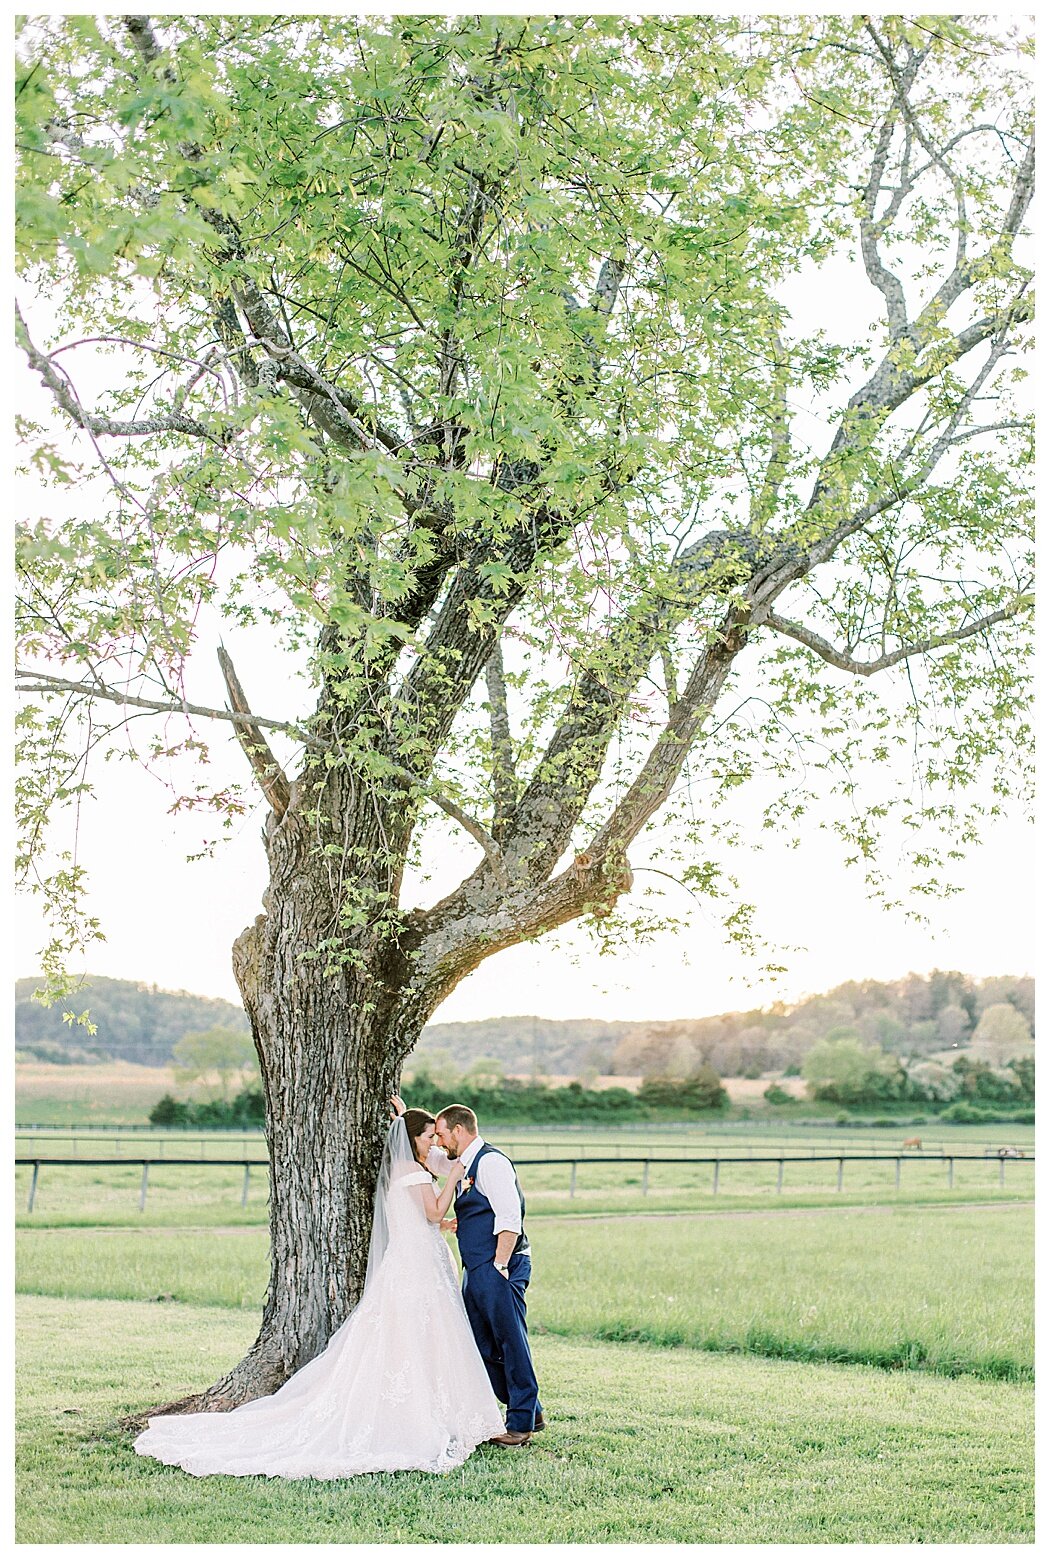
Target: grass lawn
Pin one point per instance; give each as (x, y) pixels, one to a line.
(644, 1445)
(705, 1134)
(920, 1288)
(198, 1193)
(912, 1287)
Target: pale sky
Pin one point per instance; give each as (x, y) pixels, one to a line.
(171, 923)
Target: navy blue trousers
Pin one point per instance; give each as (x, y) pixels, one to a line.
(496, 1311)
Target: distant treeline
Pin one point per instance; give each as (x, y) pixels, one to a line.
(914, 1017)
(133, 1022)
(845, 1073)
(983, 1096)
(569, 1047)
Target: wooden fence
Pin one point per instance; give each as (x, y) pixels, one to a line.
(715, 1160)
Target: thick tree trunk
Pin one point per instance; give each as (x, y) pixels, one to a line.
(330, 1048)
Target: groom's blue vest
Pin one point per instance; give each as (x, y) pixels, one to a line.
(476, 1233)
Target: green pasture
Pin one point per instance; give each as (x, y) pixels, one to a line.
(107, 1093)
(83, 1194)
(643, 1445)
(949, 1290)
(919, 1288)
(746, 1137)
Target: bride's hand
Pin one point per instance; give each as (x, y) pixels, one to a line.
(397, 1107)
(456, 1169)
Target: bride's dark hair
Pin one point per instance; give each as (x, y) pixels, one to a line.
(416, 1122)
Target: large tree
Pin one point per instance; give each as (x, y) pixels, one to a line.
(468, 358)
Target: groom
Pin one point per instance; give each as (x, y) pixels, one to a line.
(494, 1249)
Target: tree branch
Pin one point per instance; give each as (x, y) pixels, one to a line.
(764, 502)
(471, 923)
(891, 384)
(866, 668)
(967, 271)
(565, 776)
(904, 487)
(653, 784)
(459, 645)
(66, 397)
(554, 797)
(42, 682)
(334, 410)
(476, 830)
(272, 779)
(339, 413)
(790, 560)
(870, 230)
(504, 786)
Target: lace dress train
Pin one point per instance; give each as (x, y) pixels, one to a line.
(400, 1386)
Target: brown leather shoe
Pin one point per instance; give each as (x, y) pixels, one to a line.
(512, 1439)
(539, 1424)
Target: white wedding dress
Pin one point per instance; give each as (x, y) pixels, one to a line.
(400, 1386)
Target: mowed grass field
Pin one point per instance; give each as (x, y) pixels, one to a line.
(911, 1287)
(811, 1366)
(70, 1194)
(684, 1369)
(644, 1445)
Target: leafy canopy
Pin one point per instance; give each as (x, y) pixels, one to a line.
(485, 324)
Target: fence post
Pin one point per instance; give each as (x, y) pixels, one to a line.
(842, 1162)
(32, 1185)
(1002, 1171)
(714, 1187)
(244, 1188)
(951, 1173)
(645, 1178)
(145, 1185)
(780, 1176)
(898, 1174)
(572, 1179)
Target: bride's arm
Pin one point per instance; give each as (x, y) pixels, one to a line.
(436, 1205)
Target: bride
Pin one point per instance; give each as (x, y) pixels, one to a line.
(401, 1384)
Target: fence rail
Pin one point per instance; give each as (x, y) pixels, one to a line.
(716, 1160)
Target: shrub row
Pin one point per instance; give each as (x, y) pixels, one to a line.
(510, 1100)
(517, 1100)
(247, 1109)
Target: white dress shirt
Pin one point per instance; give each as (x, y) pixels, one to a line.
(494, 1179)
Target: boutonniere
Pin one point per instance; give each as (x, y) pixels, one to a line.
(466, 1183)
